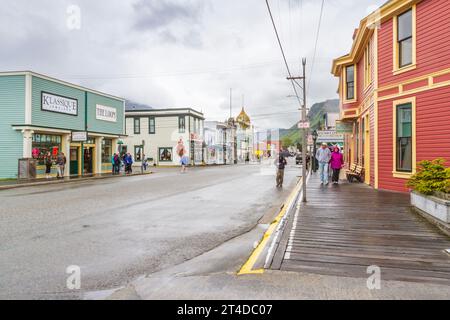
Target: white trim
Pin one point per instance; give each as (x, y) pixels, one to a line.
(41, 129)
(38, 75)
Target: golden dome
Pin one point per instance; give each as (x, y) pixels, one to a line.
(243, 119)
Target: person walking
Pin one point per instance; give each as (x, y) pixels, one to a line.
(48, 165)
(337, 162)
(129, 163)
(323, 156)
(116, 163)
(281, 163)
(61, 164)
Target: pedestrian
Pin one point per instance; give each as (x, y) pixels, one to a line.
(115, 163)
(184, 162)
(128, 163)
(337, 162)
(323, 156)
(144, 163)
(48, 165)
(281, 163)
(61, 163)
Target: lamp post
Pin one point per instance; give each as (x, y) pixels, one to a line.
(314, 136)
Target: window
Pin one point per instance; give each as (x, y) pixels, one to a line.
(405, 39)
(350, 82)
(165, 154)
(182, 124)
(137, 125)
(404, 142)
(138, 153)
(106, 150)
(368, 65)
(42, 144)
(151, 125)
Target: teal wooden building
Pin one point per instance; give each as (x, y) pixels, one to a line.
(39, 114)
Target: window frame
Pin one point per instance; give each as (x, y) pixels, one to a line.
(368, 65)
(181, 129)
(134, 125)
(345, 93)
(397, 68)
(398, 103)
(141, 148)
(150, 119)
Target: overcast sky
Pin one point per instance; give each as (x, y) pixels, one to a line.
(181, 53)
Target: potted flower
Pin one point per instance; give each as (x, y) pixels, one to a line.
(431, 189)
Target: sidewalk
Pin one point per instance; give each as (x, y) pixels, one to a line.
(12, 184)
(344, 229)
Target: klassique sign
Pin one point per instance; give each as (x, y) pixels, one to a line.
(105, 113)
(59, 104)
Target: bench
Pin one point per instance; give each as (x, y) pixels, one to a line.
(356, 172)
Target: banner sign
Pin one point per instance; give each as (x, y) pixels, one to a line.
(59, 104)
(105, 113)
(79, 136)
(344, 127)
(329, 136)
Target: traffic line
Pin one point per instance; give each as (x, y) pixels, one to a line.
(247, 268)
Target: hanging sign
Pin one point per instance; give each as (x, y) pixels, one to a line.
(344, 126)
(59, 104)
(79, 136)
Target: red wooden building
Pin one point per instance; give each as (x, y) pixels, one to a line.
(394, 88)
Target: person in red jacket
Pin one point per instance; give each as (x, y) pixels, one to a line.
(337, 162)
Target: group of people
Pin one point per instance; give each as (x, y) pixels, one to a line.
(126, 160)
(60, 165)
(329, 159)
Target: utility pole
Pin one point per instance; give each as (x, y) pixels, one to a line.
(303, 127)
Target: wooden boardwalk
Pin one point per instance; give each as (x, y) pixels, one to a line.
(344, 229)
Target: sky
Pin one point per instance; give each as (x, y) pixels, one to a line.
(185, 53)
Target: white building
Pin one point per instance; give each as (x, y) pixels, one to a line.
(245, 135)
(156, 134)
(219, 143)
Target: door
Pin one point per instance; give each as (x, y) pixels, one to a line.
(367, 150)
(74, 161)
(88, 160)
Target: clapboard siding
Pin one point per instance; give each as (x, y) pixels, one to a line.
(105, 126)
(12, 111)
(433, 51)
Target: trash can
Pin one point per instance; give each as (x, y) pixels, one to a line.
(27, 169)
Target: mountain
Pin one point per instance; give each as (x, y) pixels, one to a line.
(131, 105)
(292, 135)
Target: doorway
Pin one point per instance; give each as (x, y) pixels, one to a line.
(366, 149)
(88, 160)
(74, 161)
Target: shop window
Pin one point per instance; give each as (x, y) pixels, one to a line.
(106, 150)
(138, 153)
(404, 138)
(182, 124)
(151, 125)
(165, 154)
(350, 82)
(42, 144)
(137, 126)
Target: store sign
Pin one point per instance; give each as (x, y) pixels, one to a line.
(329, 136)
(303, 125)
(344, 127)
(79, 136)
(105, 113)
(59, 104)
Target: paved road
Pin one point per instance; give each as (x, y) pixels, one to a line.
(119, 229)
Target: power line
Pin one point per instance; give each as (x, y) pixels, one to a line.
(317, 40)
(282, 51)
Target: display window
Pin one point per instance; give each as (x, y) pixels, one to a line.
(106, 150)
(43, 144)
(165, 154)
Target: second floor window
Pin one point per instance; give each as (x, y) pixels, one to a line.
(137, 125)
(405, 39)
(350, 82)
(182, 124)
(368, 65)
(151, 125)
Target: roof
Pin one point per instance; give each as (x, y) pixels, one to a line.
(164, 112)
(366, 29)
(76, 86)
(243, 119)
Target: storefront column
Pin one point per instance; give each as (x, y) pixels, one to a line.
(114, 146)
(98, 155)
(27, 143)
(65, 148)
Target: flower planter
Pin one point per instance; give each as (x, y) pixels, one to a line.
(434, 206)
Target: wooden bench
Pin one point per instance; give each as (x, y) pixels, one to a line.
(355, 172)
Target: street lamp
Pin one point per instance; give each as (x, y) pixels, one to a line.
(314, 136)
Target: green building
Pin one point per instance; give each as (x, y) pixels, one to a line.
(39, 114)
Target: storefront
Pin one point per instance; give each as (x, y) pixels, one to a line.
(44, 117)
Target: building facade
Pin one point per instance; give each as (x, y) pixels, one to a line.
(40, 114)
(219, 143)
(394, 87)
(156, 134)
(245, 135)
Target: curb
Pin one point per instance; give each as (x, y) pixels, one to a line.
(44, 183)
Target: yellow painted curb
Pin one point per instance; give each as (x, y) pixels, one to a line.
(247, 268)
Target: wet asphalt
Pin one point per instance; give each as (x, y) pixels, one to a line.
(117, 230)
